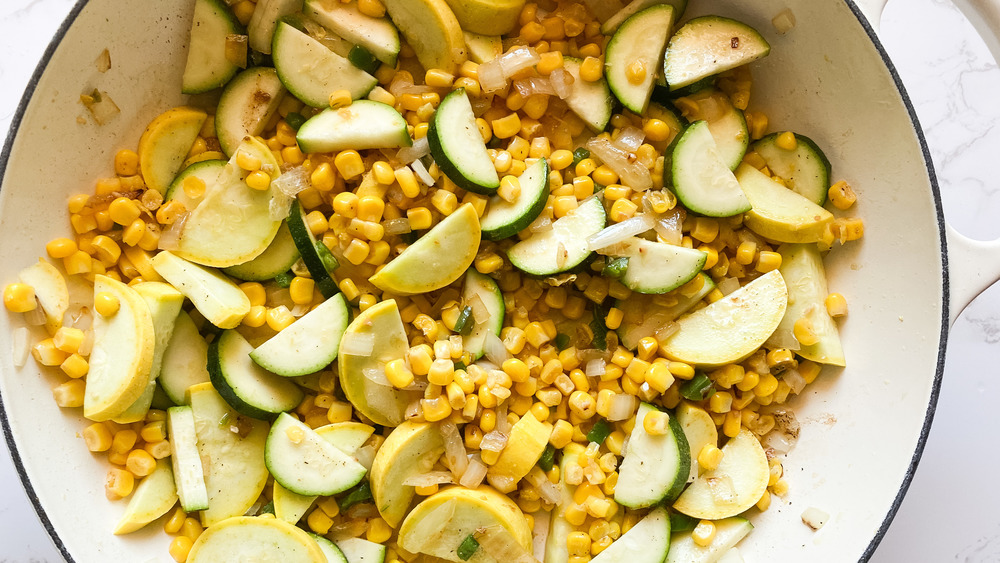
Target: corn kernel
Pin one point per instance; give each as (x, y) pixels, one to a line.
(836, 305)
(118, 484)
(506, 127)
(786, 141)
(703, 533)
(19, 298)
(349, 164)
(591, 69)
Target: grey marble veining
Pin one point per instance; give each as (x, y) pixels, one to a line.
(949, 513)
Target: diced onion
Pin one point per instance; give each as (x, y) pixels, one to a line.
(728, 285)
(668, 227)
(495, 351)
(35, 317)
(517, 59)
(170, 237)
(631, 173)
(540, 224)
(622, 407)
(596, 367)
(292, 181)
(474, 474)
(420, 148)
(421, 171)
(667, 330)
(562, 83)
(397, 226)
(494, 441)
(357, 344)
(503, 424)
(722, 489)
(814, 517)
(778, 441)
(480, 314)
(794, 380)
(20, 346)
(279, 206)
(101, 107)
(548, 490)
(88, 342)
(499, 544)
(413, 410)
(376, 375)
(346, 528)
(428, 479)
(103, 61)
(534, 85)
(783, 338)
(455, 454)
(621, 232)
(630, 139)
(784, 21)
(491, 77)
(300, 309)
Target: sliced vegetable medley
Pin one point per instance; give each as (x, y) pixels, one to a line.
(384, 303)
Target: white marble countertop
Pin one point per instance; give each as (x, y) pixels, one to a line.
(953, 83)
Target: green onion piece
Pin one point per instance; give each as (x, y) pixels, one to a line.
(360, 493)
(295, 120)
(615, 267)
(561, 341)
(600, 431)
(580, 154)
(467, 548)
(465, 321)
(698, 388)
(681, 522)
(363, 59)
(548, 458)
(284, 280)
(599, 329)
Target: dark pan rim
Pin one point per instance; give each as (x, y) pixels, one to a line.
(935, 192)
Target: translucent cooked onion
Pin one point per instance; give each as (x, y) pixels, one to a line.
(622, 407)
(376, 375)
(596, 367)
(100, 105)
(722, 489)
(292, 181)
(541, 224)
(630, 139)
(503, 424)
(357, 344)
(728, 285)
(474, 474)
(455, 455)
(494, 441)
(480, 314)
(500, 544)
(366, 454)
(630, 173)
(667, 330)
(398, 226)
(783, 338)
(784, 21)
(495, 351)
(562, 83)
(668, 227)
(429, 479)
(621, 232)
(20, 344)
(534, 85)
(36, 316)
(794, 380)
(546, 489)
(517, 59)
(778, 441)
(421, 171)
(88, 342)
(491, 77)
(236, 49)
(299, 309)
(170, 237)
(420, 148)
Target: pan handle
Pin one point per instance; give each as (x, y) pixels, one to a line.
(972, 267)
(872, 9)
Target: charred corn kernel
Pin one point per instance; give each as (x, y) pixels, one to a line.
(254, 292)
(75, 366)
(703, 533)
(349, 164)
(301, 290)
(591, 69)
(436, 409)
(578, 544)
(180, 546)
(256, 317)
(106, 304)
(656, 423)
(340, 99)
(709, 457)
(140, 463)
(319, 522)
(510, 188)
(357, 251)
(97, 436)
(258, 180)
(786, 141)
(622, 209)
(279, 318)
(803, 331)
(506, 127)
(60, 247)
(635, 72)
(720, 402)
(345, 204)
(123, 211)
(118, 483)
(322, 177)
(19, 298)
(768, 261)
(836, 305)
(444, 201)
(842, 195)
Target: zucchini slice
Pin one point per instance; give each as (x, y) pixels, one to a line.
(709, 45)
(249, 389)
(805, 170)
(644, 315)
(315, 254)
(247, 104)
(507, 218)
(277, 259)
(564, 246)
(631, 8)
(727, 124)
(208, 171)
(306, 464)
(309, 344)
(362, 125)
(207, 66)
(728, 533)
(330, 550)
(779, 213)
(656, 267)
(743, 469)
(640, 40)
(591, 101)
(802, 268)
(265, 19)
(357, 550)
(655, 468)
(377, 35)
(458, 147)
(702, 180)
(185, 360)
(189, 475)
(646, 542)
(311, 71)
(486, 294)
